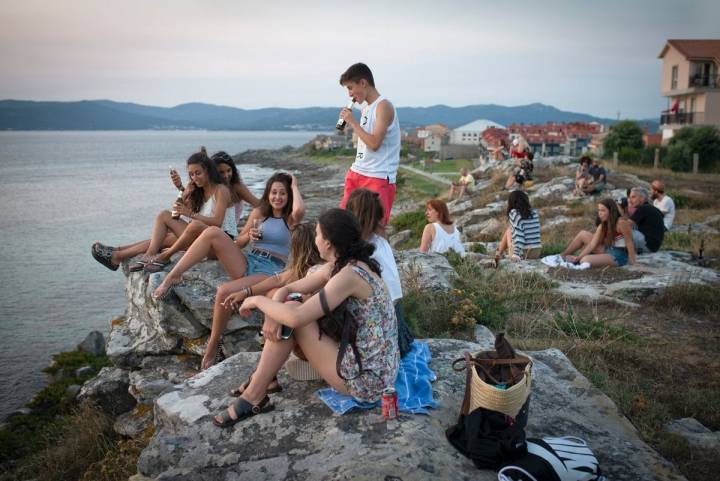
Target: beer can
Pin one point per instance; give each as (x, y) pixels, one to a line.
(389, 403)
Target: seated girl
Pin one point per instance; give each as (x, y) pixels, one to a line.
(360, 364)
(521, 238)
(303, 256)
(440, 235)
(205, 202)
(610, 245)
(268, 228)
(582, 175)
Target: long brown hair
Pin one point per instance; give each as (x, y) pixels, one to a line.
(303, 251)
(366, 206)
(609, 227)
(197, 196)
(265, 207)
(442, 209)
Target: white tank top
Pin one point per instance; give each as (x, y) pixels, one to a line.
(229, 224)
(442, 242)
(382, 163)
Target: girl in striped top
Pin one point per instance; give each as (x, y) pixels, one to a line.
(522, 237)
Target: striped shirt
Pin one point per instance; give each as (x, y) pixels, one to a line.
(525, 233)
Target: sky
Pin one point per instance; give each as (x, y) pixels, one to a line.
(595, 57)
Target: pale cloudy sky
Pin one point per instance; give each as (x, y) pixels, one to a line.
(594, 57)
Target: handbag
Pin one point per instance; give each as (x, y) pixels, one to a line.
(497, 380)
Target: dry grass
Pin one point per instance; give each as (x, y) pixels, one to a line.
(667, 175)
(694, 216)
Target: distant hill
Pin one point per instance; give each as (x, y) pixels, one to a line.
(109, 115)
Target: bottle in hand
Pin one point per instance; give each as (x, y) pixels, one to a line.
(341, 124)
(174, 213)
(257, 225)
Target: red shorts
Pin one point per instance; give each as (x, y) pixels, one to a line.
(354, 181)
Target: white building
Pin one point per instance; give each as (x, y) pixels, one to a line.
(469, 134)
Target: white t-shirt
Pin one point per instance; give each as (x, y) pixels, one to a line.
(443, 242)
(384, 256)
(667, 207)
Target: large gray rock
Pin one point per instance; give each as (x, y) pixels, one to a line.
(94, 343)
(108, 391)
(694, 433)
(627, 285)
(491, 228)
(397, 239)
(133, 338)
(159, 373)
(424, 271)
(301, 439)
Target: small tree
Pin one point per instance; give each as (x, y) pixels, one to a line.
(625, 133)
(704, 141)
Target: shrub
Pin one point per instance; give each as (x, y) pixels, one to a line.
(630, 155)
(704, 140)
(625, 133)
(414, 221)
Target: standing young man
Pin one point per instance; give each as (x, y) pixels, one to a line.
(378, 149)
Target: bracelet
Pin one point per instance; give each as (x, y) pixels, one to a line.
(250, 292)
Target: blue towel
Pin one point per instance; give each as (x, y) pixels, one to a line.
(412, 385)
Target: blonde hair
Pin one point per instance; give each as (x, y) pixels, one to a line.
(303, 251)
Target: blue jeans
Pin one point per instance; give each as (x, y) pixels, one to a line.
(262, 265)
(619, 255)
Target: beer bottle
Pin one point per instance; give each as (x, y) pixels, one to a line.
(174, 213)
(340, 125)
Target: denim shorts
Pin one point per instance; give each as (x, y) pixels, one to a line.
(619, 255)
(262, 265)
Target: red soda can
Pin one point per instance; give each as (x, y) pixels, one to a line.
(389, 403)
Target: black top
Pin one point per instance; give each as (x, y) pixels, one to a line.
(598, 172)
(649, 221)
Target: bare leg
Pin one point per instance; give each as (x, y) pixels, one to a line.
(452, 191)
(221, 315)
(126, 252)
(188, 236)
(504, 242)
(582, 239)
(510, 181)
(228, 253)
(462, 191)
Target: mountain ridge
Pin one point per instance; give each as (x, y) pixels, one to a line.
(110, 115)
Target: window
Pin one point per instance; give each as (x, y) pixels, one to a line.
(692, 104)
(674, 78)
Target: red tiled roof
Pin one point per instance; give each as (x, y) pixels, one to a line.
(694, 49)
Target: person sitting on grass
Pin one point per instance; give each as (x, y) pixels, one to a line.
(303, 256)
(582, 175)
(268, 228)
(465, 184)
(598, 179)
(647, 220)
(361, 361)
(663, 203)
(206, 202)
(523, 164)
(440, 234)
(611, 244)
(521, 238)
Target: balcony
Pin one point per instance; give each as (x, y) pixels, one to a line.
(681, 118)
(704, 81)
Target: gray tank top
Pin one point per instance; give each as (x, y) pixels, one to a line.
(275, 236)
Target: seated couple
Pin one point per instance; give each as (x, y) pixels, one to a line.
(590, 177)
(213, 198)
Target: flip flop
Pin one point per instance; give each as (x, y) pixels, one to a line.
(237, 392)
(137, 266)
(103, 254)
(243, 410)
(155, 266)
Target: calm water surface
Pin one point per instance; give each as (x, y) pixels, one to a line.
(61, 191)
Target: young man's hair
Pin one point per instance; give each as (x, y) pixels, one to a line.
(357, 72)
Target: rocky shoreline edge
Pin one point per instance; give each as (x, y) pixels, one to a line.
(153, 385)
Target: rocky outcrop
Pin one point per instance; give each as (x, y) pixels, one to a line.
(94, 343)
(694, 433)
(108, 391)
(424, 271)
(300, 439)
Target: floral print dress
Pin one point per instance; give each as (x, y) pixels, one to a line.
(377, 342)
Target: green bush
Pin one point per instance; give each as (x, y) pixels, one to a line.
(414, 221)
(625, 133)
(704, 140)
(630, 155)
